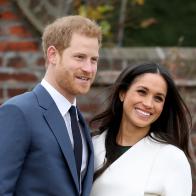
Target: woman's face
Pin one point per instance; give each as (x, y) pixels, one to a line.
(144, 100)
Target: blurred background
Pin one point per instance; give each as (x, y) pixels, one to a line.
(135, 31)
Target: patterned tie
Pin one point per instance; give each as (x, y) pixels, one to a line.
(77, 139)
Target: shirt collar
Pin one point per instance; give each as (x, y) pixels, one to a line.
(62, 103)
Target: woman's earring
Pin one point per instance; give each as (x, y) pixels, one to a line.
(121, 98)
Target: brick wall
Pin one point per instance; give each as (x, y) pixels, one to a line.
(22, 66)
(21, 59)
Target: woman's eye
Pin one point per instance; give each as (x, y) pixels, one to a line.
(159, 99)
(141, 92)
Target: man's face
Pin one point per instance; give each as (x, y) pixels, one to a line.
(75, 68)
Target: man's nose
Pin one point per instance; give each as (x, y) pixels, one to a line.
(87, 67)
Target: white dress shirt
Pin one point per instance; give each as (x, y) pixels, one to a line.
(64, 105)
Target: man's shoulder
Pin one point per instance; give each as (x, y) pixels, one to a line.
(20, 100)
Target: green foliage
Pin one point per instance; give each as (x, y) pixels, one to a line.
(98, 13)
(144, 22)
(174, 24)
(110, 16)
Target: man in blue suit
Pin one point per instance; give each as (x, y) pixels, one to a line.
(36, 133)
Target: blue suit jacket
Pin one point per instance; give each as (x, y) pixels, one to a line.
(36, 156)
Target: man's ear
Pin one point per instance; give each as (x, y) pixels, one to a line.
(52, 55)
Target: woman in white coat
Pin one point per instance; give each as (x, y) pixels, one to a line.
(141, 147)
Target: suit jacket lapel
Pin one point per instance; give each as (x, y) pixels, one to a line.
(58, 127)
(86, 131)
(88, 179)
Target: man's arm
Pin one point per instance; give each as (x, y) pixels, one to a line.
(14, 141)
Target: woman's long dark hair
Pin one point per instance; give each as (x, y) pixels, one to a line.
(172, 127)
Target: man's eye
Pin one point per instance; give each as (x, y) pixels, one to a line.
(79, 57)
(95, 60)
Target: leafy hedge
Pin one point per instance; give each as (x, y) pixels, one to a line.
(173, 24)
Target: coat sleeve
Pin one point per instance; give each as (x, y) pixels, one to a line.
(175, 171)
(14, 141)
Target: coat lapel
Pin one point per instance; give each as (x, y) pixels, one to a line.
(58, 127)
(124, 171)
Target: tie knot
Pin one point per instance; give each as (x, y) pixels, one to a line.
(72, 111)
